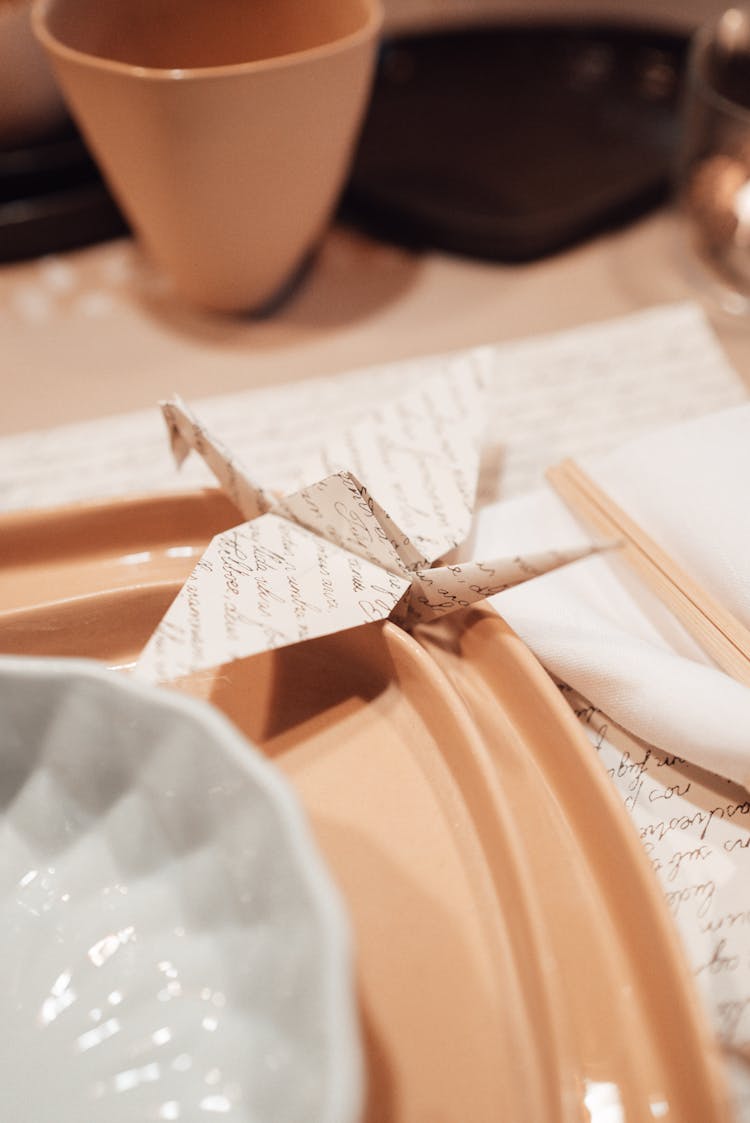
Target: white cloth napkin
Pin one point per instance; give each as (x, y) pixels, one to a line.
(596, 627)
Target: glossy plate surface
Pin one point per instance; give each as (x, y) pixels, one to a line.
(172, 944)
(515, 958)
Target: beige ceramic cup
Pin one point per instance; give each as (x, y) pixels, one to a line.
(225, 128)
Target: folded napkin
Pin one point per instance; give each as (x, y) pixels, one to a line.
(596, 627)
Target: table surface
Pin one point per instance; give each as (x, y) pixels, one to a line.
(97, 332)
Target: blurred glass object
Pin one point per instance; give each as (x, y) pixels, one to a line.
(713, 182)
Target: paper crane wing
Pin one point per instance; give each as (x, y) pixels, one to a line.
(419, 455)
(262, 585)
(416, 456)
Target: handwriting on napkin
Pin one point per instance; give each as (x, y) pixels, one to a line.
(331, 555)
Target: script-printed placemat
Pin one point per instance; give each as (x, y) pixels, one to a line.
(571, 393)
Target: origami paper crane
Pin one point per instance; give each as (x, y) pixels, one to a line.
(341, 552)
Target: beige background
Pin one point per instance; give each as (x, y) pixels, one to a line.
(96, 332)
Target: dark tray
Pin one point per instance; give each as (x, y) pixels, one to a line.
(512, 142)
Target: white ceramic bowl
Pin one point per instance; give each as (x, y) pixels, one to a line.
(171, 945)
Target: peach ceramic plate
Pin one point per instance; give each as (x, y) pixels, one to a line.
(91, 579)
(516, 960)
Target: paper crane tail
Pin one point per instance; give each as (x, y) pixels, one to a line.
(435, 592)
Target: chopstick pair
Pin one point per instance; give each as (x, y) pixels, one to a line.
(717, 631)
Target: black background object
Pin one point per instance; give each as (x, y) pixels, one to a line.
(499, 142)
(512, 142)
(52, 198)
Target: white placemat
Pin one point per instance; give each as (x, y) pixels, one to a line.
(571, 393)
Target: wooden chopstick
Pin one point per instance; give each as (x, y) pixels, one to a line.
(717, 631)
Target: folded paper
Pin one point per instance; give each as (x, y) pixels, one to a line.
(186, 433)
(332, 555)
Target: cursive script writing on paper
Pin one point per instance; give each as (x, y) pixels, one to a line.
(187, 433)
(263, 585)
(330, 556)
(442, 589)
(342, 511)
(695, 829)
(418, 455)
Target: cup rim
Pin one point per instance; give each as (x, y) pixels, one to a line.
(369, 29)
(701, 40)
